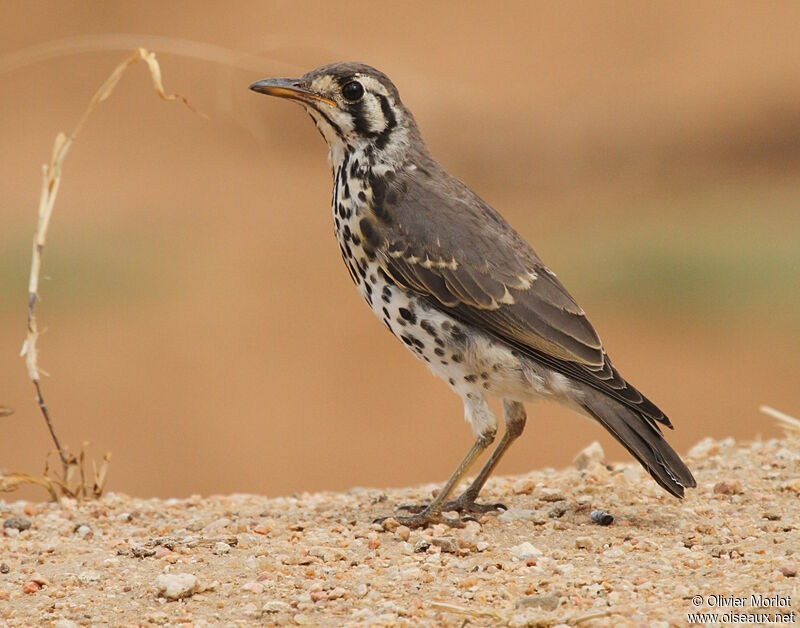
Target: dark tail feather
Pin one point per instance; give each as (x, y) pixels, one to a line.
(643, 439)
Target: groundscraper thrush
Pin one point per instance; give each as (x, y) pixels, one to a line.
(451, 279)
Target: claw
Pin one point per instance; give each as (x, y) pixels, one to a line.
(424, 519)
(462, 505)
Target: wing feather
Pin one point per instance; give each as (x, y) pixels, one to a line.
(448, 245)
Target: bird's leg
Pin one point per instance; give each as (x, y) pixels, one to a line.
(432, 513)
(515, 418)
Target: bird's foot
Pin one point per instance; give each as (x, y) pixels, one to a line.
(424, 517)
(464, 505)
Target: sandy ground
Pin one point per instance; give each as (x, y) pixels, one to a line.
(316, 559)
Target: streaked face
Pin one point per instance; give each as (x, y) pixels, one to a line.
(353, 106)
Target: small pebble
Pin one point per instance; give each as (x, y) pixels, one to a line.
(390, 524)
(220, 548)
(17, 523)
(728, 487)
(82, 530)
(705, 448)
(162, 552)
(421, 546)
(402, 533)
(447, 544)
(176, 586)
(592, 453)
(4, 568)
(789, 570)
(583, 542)
(601, 517)
(525, 551)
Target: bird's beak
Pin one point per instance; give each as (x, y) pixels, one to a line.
(289, 88)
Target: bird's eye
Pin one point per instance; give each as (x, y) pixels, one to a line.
(352, 91)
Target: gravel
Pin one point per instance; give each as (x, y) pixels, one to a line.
(317, 559)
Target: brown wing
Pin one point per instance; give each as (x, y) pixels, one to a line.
(445, 243)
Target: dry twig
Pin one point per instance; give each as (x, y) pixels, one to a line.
(51, 180)
(788, 422)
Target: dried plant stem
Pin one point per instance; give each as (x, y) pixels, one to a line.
(51, 180)
(787, 421)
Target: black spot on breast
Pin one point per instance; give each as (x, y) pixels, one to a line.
(386, 313)
(439, 341)
(368, 288)
(346, 232)
(438, 352)
(407, 340)
(428, 327)
(356, 240)
(373, 279)
(470, 378)
(354, 168)
(456, 357)
(484, 375)
(346, 191)
(458, 335)
(362, 196)
(341, 210)
(401, 322)
(408, 315)
(386, 294)
(451, 381)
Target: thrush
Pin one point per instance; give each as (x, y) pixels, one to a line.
(467, 295)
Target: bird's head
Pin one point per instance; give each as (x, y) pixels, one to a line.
(354, 106)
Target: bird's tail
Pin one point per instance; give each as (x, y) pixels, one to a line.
(642, 438)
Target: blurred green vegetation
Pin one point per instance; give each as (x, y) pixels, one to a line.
(733, 266)
(121, 264)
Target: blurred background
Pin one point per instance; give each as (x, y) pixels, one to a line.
(199, 322)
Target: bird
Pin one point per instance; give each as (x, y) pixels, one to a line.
(466, 294)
